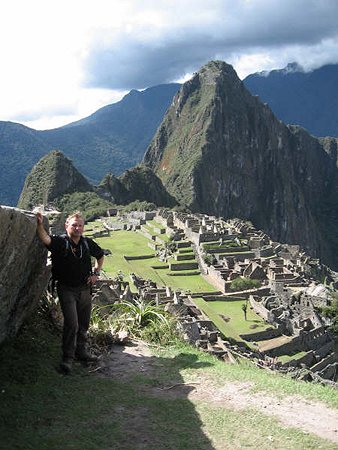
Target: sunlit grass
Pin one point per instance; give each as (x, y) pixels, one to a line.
(129, 243)
(236, 324)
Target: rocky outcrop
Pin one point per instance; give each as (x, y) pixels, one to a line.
(220, 151)
(139, 183)
(23, 271)
(113, 190)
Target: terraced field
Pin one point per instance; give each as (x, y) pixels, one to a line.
(227, 315)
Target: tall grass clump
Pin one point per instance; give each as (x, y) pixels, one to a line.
(139, 319)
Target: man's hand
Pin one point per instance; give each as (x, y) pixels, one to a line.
(39, 218)
(92, 279)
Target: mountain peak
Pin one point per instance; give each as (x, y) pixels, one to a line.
(293, 67)
(53, 176)
(220, 151)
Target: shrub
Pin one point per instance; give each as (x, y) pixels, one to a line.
(209, 259)
(139, 206)
(242, 284)
(140, 319)
(159, 333)
(89, 203)
(140, 313)
(331, 312)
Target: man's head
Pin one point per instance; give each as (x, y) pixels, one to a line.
(74, 226)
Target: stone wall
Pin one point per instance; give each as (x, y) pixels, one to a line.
(183, 266)
(306, 341)
(262, 335)
(261, 310)
(23, 271)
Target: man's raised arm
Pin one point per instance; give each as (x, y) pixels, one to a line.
(42, 233)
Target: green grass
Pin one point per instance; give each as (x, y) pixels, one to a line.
(43, 410)
(154, 224)
(185, 250)
(233, 309)
(207, 366)
(122, 243)
(229, 244)
(93, 227)
(149, 229)
(163, 237)
(132, 244)
(287, 358)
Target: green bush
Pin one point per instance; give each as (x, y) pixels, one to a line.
(139, 206)
(331, 312)
(159, 333)
(89, 203)
(209, 259)
(242, 284)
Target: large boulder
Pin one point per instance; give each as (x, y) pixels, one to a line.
(23, 271)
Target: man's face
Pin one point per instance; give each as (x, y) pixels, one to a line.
(74, 227)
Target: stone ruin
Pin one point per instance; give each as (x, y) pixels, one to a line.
(289, 296)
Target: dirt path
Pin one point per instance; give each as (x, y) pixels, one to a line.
(312, 417)
(292, 411)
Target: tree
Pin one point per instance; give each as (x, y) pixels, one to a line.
(245, 309)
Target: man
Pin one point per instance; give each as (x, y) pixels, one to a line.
(72, 269)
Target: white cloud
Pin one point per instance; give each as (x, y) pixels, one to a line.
(61, 61)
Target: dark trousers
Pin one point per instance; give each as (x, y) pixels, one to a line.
(76, 305)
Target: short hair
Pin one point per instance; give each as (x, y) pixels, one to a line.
(75, 215)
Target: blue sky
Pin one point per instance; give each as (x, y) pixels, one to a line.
(61, 61)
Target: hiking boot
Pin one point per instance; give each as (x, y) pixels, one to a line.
(66, 366)
(84, 355)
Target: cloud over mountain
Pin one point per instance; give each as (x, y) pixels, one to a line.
(163, 44)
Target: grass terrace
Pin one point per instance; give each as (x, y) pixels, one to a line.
(232, 309)
(286, 358)
(151, 230)
(226, 244)
(154, 224)
(93, 227)
(129, 243)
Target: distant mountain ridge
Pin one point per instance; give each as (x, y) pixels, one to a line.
(222, 152)
(20, 148)
(112, 139)
(296, 97)
(116, 136)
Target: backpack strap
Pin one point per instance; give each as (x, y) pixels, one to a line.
(84, 240)
(65, 237)
(88, 250)
(86, 243)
